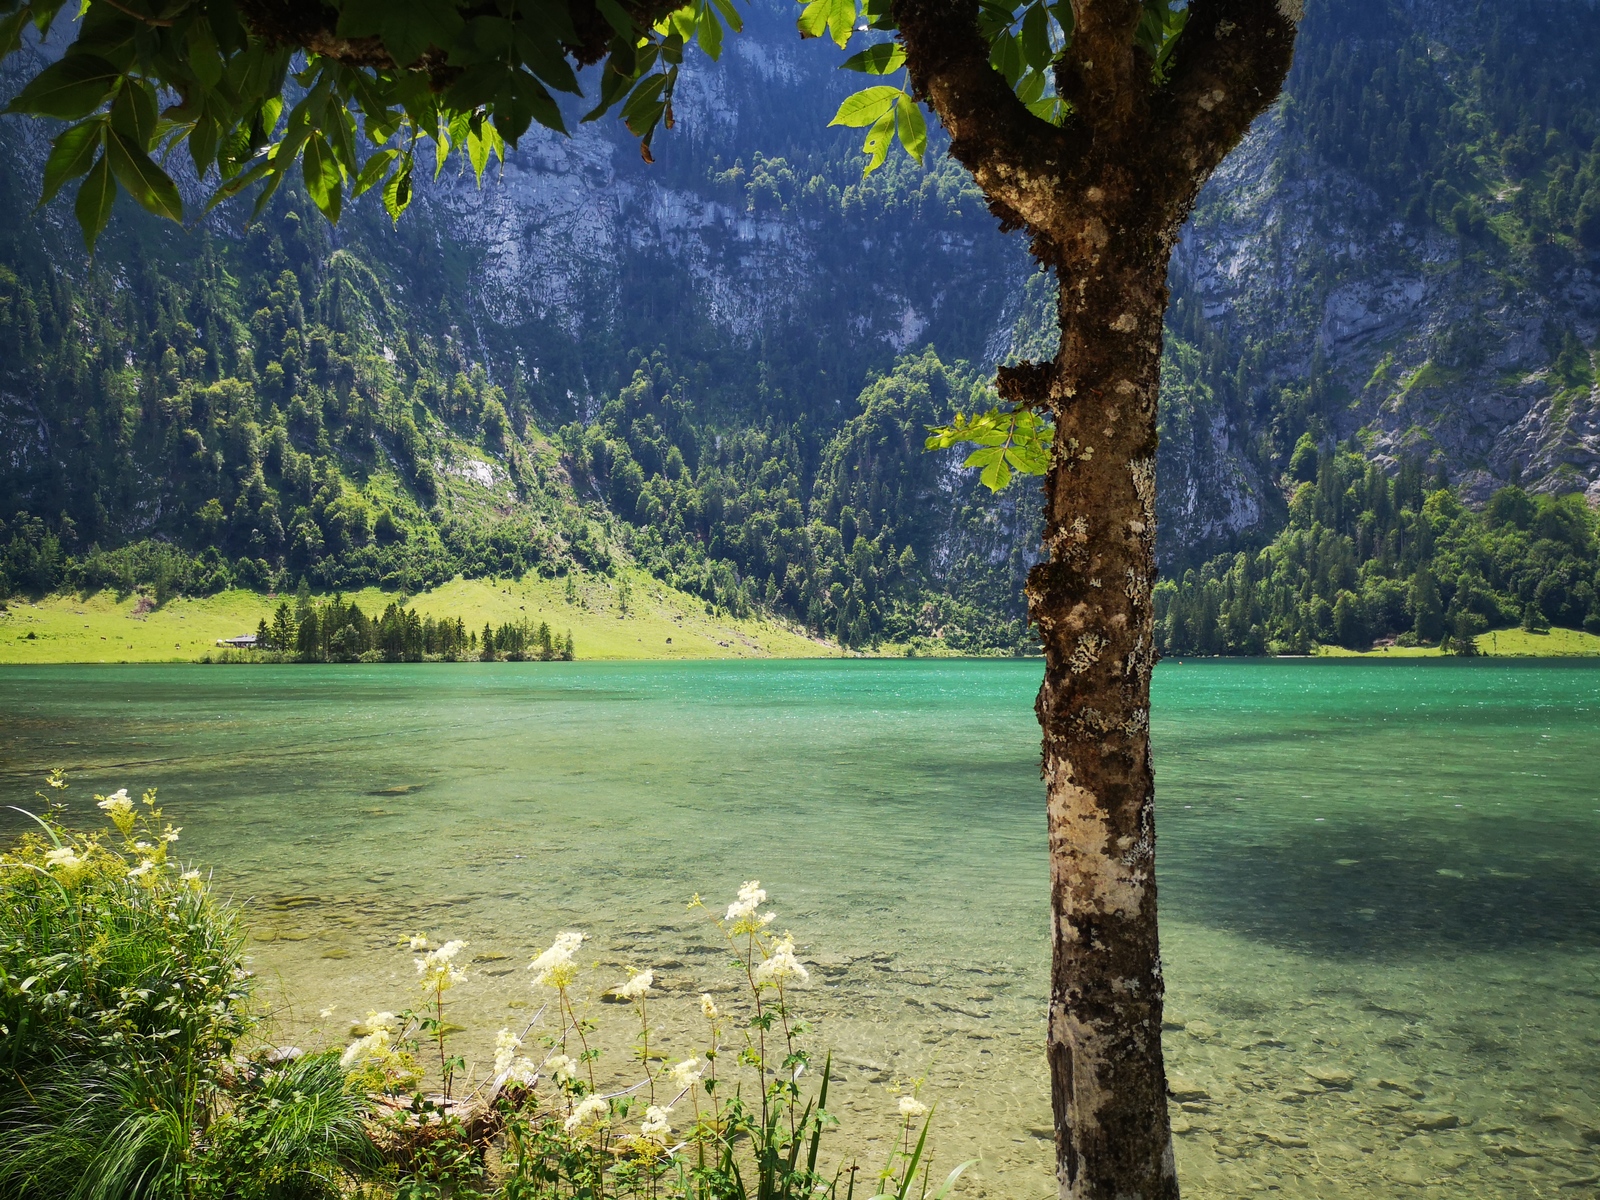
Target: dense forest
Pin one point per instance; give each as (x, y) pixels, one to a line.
(1368, 556)
(286, 403)
(333, 630)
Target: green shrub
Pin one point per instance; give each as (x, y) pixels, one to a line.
(123, 999)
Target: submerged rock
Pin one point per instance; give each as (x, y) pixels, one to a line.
(1331, 1077)
(1432, 1120)
(1182, 1089)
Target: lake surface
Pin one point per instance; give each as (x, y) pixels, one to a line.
(1380, 882)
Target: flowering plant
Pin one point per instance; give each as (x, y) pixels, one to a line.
(731, 1122)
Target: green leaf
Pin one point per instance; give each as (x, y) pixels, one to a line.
(521, 101)
(11, 26)
(397, 192)
(876, 147)
(71, 155)
(372, 171)
(1010, 442)
(1030, 88)
(730, 15)
(1051, 108)
(339, 127)
(478, 152)
(995, 474)
(1035, 37)
(866, 107)
(70, 89)
(616, 17)
(1005, 55)
(708, 30)
(95, 197)
(882, 59)
(133, 112)
(204, 59)
(645, 107)
(835, 17)
(203, 143)
(237, 183)
(547, 59)
(324, 180)
(913, 130)
(144, 181)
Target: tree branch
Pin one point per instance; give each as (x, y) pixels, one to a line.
(1229, 66)
(1019, 160)
(1103, 74)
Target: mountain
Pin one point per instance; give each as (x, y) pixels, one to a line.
(719, 365)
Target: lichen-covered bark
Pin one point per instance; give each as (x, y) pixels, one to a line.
(1091, 601)
(1102, 198)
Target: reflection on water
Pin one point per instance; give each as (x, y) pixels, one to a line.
(1381, 918)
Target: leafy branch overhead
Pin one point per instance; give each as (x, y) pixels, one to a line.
(351, 90)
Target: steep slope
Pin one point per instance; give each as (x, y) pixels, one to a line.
(719, 365)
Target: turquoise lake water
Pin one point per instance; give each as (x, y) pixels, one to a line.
(1380, 882)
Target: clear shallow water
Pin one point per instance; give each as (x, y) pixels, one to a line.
(1381, 896)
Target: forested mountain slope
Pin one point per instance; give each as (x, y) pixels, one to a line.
(720, 365)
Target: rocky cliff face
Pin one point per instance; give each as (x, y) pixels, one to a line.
(1425, 347)
(1348, 314)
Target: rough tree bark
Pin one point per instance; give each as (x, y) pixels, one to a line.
(1103, 198)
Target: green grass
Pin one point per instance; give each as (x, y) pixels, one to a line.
(661, 622)
(1501, 643)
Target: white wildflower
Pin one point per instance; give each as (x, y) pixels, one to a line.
(555, 966)
(62, 856)
(435, 970)
(521, 1072)
(419, 941)
(142, 869)
(911, 1108)
(781, 966)
(506, 1045)
(561, 1067)
(687, 1073)
(708, 1007)
(171, 835)
(751, 897)
(655, 1125)
(327, 1012)
(119, 808)
(636, 987)
(375, 1043)
(591, 1111)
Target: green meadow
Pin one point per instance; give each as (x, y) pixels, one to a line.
(629, 615)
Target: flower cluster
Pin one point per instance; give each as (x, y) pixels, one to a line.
(119, 808)
(556, 968)
(636, 986)
(686, 1074)
(66, 864)
(377, 1043)
(590, 1112)
(742, 913)
(509, 1066)
(781, 966)
(435, 970)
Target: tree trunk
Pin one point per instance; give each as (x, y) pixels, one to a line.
(1091, 601)
(1102, 197)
